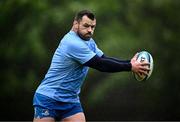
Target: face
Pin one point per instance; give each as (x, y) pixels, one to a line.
(85, 28)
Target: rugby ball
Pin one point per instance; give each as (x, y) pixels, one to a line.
(144, 56)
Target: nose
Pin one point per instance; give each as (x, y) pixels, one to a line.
(90, 29)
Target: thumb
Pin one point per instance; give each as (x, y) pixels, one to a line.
(135, 56)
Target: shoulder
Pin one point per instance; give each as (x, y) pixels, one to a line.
(72, 43)
(72, 38)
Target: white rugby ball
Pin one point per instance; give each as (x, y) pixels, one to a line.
(144, 56)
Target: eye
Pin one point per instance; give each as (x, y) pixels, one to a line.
(86, 25)
(93, 26)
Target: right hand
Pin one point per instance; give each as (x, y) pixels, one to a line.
(139, 67)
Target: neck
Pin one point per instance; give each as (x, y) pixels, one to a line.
(72, 29)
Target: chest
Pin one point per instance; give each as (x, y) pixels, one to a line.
(92, 46)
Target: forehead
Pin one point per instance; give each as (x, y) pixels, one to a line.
(85, 19)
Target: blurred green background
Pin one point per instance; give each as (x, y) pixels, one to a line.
(30, 31)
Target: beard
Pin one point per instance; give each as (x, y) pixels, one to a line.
(86, 36)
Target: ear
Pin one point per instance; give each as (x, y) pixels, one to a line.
(75, 24)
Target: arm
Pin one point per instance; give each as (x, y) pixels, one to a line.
(115, 59)
(105, 64)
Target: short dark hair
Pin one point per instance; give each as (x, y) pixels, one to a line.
(82, 13)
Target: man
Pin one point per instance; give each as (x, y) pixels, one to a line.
(57, 98)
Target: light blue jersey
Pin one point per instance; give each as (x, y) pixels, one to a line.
(66, 73)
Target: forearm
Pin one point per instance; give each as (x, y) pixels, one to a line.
(108, 64)
(115, 59)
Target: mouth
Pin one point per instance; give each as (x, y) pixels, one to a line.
(86, 36)
(89, 34)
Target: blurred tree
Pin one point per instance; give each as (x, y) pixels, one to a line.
(31, 30)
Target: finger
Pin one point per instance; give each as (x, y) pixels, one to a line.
(145, 69)
(136, 55)
(145, 64)
(143, 72)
